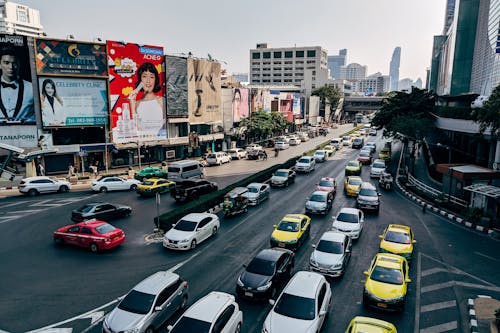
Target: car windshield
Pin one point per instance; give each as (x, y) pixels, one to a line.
(253, 189)
(137, 302)
(185, 225)
(378, 165)
(304, 160)
(261, 267)
(326, 183)
(397, 237)
(85, 209)
(211, 156)
(368, 192)
(330, 247)
(148, 183)
(387, 275)
(104, 228)
(355, 181)
(346, 217)
(346, 138)
(281, 174)
(191, 325)
(364, 153)
(317, 198)
(296, 307)
(174, 169)
(353, 164)
(289, 226)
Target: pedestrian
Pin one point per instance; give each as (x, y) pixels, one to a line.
(41, 170)
(71, 170)
(94, 170)
(276, 152)
(264, 155)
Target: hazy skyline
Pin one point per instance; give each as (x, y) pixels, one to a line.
(227, 30)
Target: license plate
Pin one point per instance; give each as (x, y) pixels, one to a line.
(382, 305)
(248, 294)
(281, 244)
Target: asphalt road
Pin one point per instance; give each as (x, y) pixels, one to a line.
(43, 286)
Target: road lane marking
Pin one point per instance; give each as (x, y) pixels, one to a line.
(434, 270)
(452, 325)
(438, 306)
(179, 265)
(448, 284)
(417, 296)
(486, 256)
(437, 286)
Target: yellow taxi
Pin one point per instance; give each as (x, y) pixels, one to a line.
(330, 150)
(397, 239)
(353, 168)
(385, 154)
(361, 324)
(387, 282)
(352, 184)
(291, 232)
(151, 186)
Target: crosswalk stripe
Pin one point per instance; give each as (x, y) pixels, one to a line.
(452, 325)
(437, 286)
(433, 271)
(438, 306)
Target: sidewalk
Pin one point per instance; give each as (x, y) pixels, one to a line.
(482, 314)
(421, 172)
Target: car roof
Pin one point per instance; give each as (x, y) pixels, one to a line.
(398, 227)
(293, 217)
(368, 185)
(389, 260)
(320, 151)
(348, 210)
(36, 177)
(272, 254)
(255, 185)
(333, 236)
(285, 170)
(96, 204)
(91, 223)
(322, 193)
(307, 157)
(304, 284)
(354, 177)
(208, 307)
(155, 283)
(327, 178)
(196, 217)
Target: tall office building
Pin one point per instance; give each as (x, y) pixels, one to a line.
(353, 72)
(448, 15)
(335, 63)
(19, 19)
(394, 68)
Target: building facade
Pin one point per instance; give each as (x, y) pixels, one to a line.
(336, 62)
(394, 68)
(353, 72)
(19, 20)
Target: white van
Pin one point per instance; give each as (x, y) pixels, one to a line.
(185, 169)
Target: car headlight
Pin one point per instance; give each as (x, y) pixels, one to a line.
(185, 240)
(265, 287)
(336, 266)
(264, 330)
(239, 282)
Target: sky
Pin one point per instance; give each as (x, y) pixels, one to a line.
(227, 30)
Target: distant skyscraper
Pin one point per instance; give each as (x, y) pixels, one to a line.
(394, 68)
(353, 72)
(448, 15)
(19, 19)
(336, 62)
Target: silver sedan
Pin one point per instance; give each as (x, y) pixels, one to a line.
(257, 192)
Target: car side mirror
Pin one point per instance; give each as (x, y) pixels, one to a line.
(119, 299)
(244, 265)
(408, 280)
(347, 251)
(158, 308)
(313, 246)
(173, 225)
(365, 273)
(413, 241)
(275, 226)
(379, 194)
(272, 301)
(322, 313)
(381, 236)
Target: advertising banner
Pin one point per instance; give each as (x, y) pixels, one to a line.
(137, 92)
(19, 136)
(68, 101)
(57, 57)
(261, 100)
(177, 90)
(296, 105)
(16, 90)
(240, 104)
(204, 91)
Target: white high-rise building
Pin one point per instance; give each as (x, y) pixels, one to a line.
(19, 19)
(353, 72)
(394, 68)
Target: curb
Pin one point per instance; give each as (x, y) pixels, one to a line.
(472, 313)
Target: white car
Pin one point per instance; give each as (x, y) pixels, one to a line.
(41, 184)
(294, 141)
(320, 202)
(237, 153)
(349, 221)
(301, 307)
(257, 192)
(320, 155)
(282, 145)
(105, 184)
(346, 141)
(283, 177)
(253, 146)
(217, 312)
(305, 164)
(191, 230)
(336, 143)
(331, 254)
(218, 158)
(377, 168)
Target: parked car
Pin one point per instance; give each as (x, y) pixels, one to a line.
(398, 239)
(361, 324)
(365, 157)
(41, 184)
(283, 138)
(237, 153)
(281, 145)
(301, 307)
(191, 189)
(253, 146)
(368, 197)
(303, 136)
(295, 141)
(377, 168)
(327, 184)
(105, 184)
(320, 156)
(353, 168)
(151, 172)
(349, 221)
(283, 177)
(291, 232)
(352, 184)
(148, 305)
(358, 143)
(191, 230)
(387, 282)
(218, 158)
(100, 210)
(331, 255)
(305, 164)
(185, 169)
(266, 273)
(320, 202)
(385, 154)
(216, 312)
(151, 186)
(257, 192)
(91, 234)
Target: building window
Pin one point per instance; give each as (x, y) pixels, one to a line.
(313, 86)
(277, 74)
(255, 81)
(288, 62)
(266, 80)
(277, 62)
(288, 68)
(256, 55)
(311, 61)
(299, 62)
(299, 68)
(287, 80)
(277, 54)
(277, 68)
(299, 54)
(288, 54)
(255, 63)
(266, 69)
(266, 55)
(311, 53)
(266, 63)
(314, 72)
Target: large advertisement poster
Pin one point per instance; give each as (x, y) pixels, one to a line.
(261, 100)
(19, 136)
(204, 91)
(177, 91)
(16, 89)
(57, 57)
(73, 102)
(137, 92)
(296, 105)
(240, 104)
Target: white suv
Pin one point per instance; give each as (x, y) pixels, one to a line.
(218, 158)
(377, 168)
(41, 184)
(216, 312)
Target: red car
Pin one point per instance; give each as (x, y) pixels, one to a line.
(92, 234)
(327, 184)
(365, 157)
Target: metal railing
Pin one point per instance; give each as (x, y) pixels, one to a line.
(434, 192)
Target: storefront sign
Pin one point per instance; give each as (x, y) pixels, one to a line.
(19, 136)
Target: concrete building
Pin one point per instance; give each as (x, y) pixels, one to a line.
(370, 85)
(19, 20)
(336, 62)
(353, 72)
(394, 68)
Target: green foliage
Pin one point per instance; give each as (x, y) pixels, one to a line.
(407, 113)
(265, 124)
(489, 115)
(328, 94)
(474, 215)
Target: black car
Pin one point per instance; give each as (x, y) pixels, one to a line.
(191, 189)
(253, 154)
(101, 211)
(268, 271)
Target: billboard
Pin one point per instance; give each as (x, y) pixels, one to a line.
(16, 89)
(137, 92)
(177, 90)
(68, 101)
(19, 136)
(57, 57)
(261, 100)
(240, 104)
(296, 105)
(204, 91)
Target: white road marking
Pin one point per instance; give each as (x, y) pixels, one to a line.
(57, 330)
(9, 205)
(45, 203)
(452, 325)
(417, 297)
(438, 306)
(434, 270)
(448, 284)
(179, 265)
(437, 286)
(95, 316)
(484, 255)
(2, 331)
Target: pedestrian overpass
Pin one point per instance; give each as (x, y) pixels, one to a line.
(365, 105)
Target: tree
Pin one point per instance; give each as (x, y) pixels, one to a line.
(264, 124)
(488, 116)
(328, 94)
